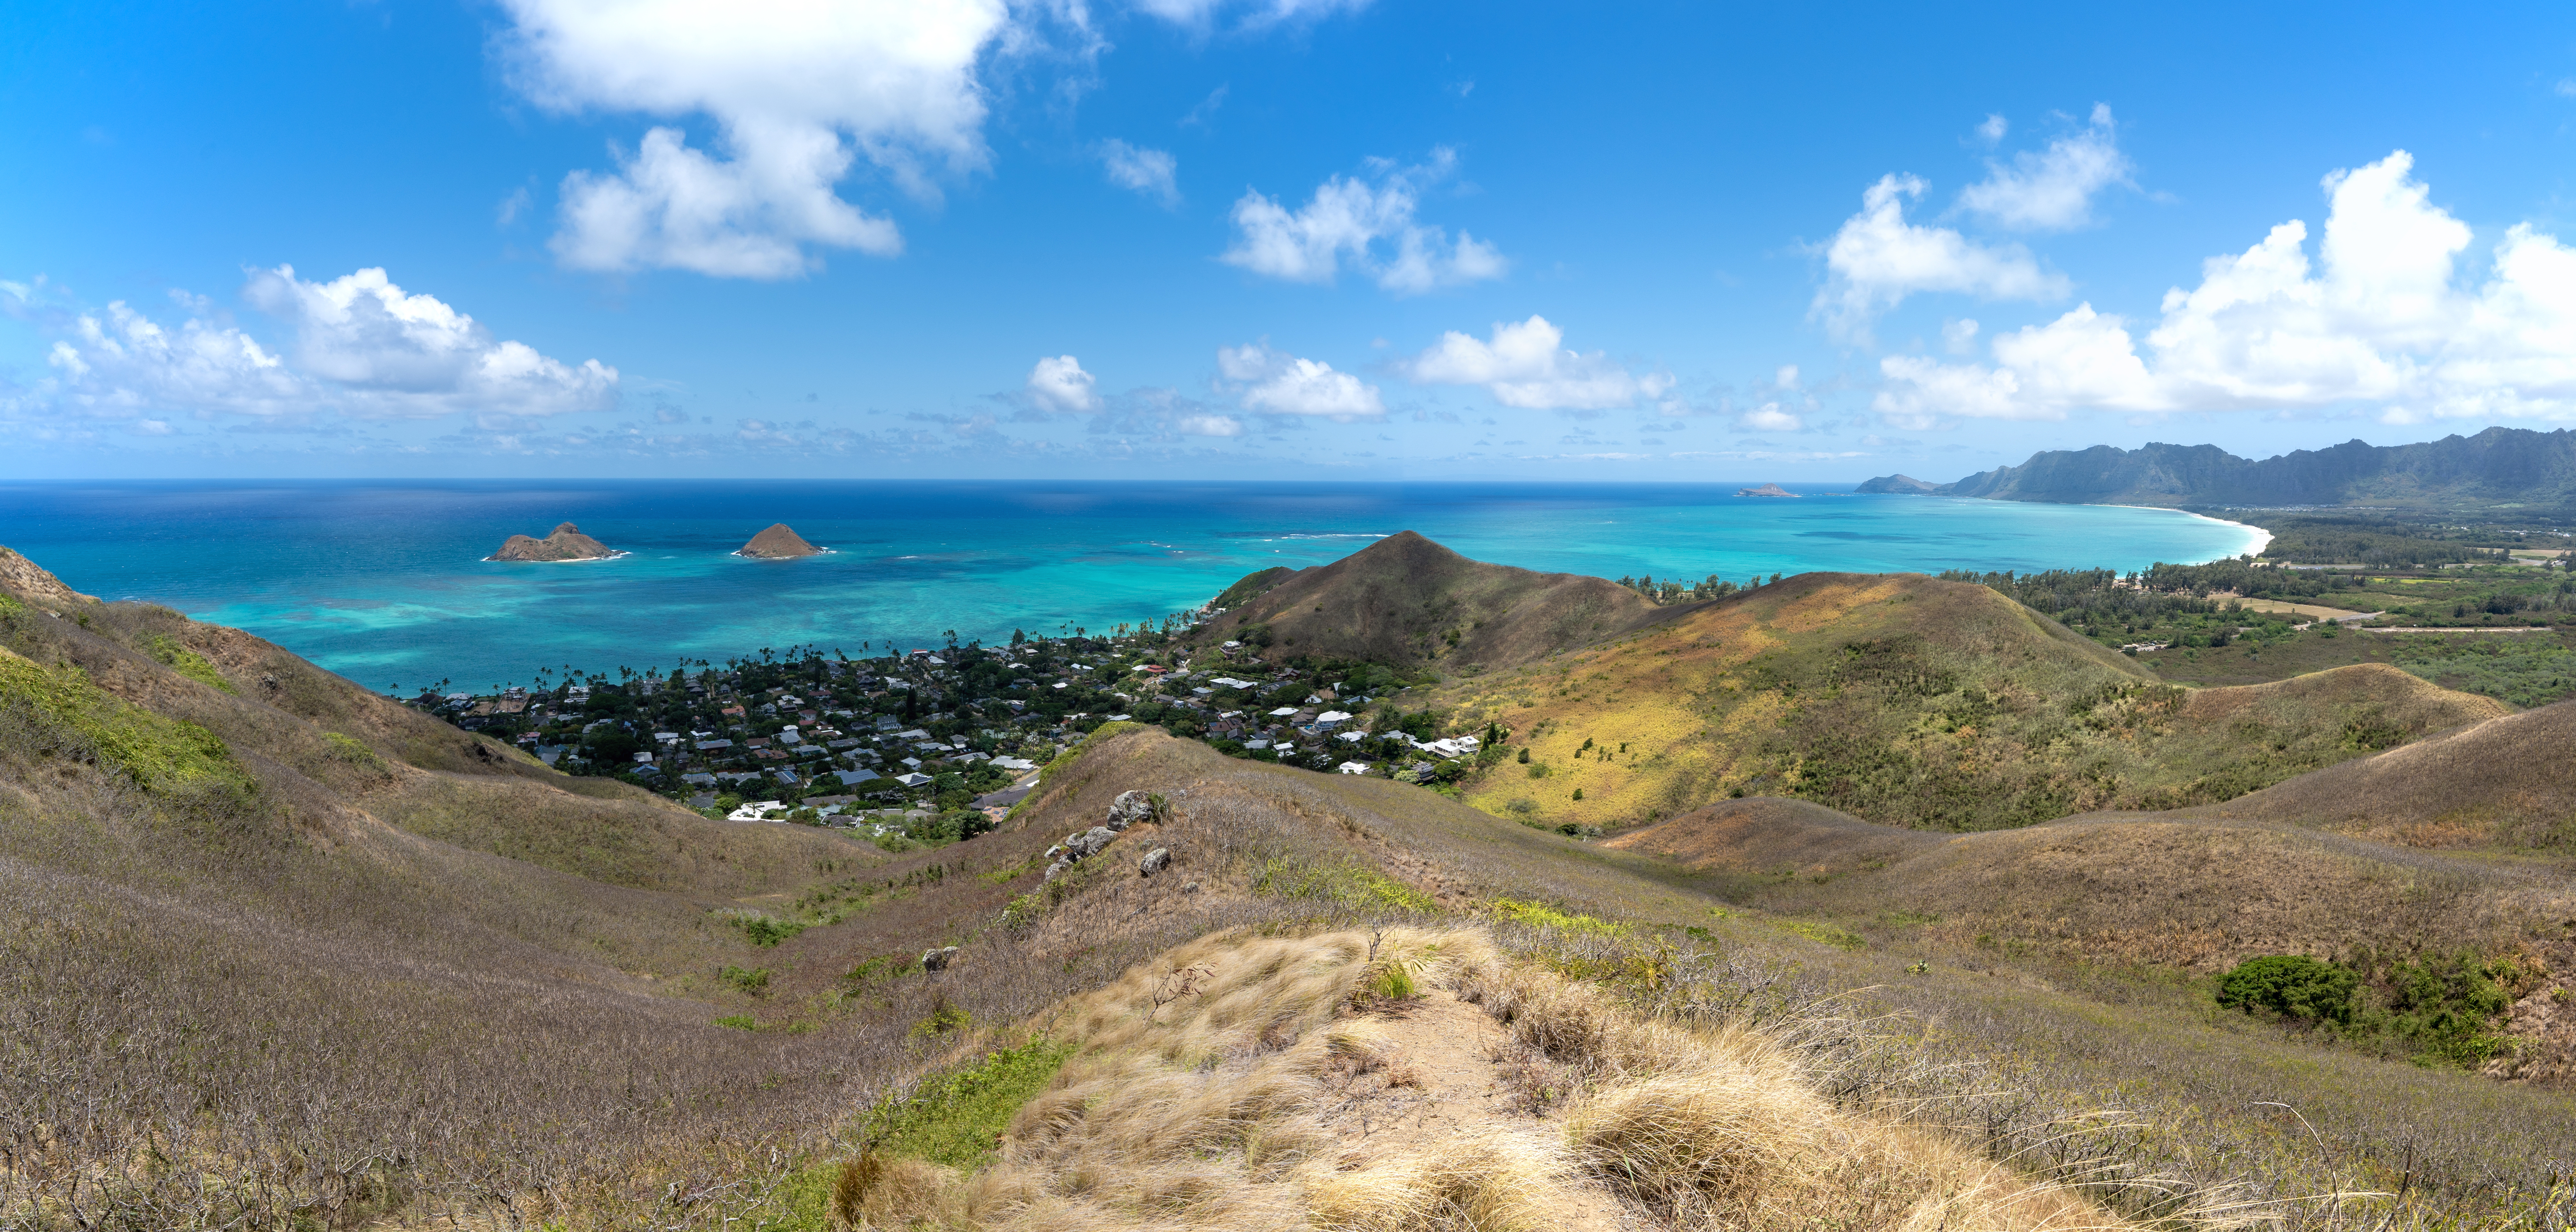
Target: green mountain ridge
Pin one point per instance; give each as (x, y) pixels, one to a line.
(2509, 468)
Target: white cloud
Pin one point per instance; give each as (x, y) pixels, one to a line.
(2379, 321)
(1878, 258)
(1993, 129)
(1524, 364)
(1150, 172)
(1959, 337)
(1768, 417)
(1058, 383)
(388, 353)
(798, 92)
(2053, 190)
(2567, 87)
(1209, 425)
(1354, 220)
(1282, 384)
(362, 347)
(1201, 13)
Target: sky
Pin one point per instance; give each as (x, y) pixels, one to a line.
(1274, 239)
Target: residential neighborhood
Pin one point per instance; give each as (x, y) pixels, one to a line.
(935, 744)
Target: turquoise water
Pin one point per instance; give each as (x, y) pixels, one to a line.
(385, 583)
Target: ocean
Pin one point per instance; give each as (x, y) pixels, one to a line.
(386, 583)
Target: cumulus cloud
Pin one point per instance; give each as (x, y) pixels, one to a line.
(1525, 364)
(798, 93)
(1369, 223)
(2052, 189)
(362, 346)
(1209, 425)
(1059, 384)
(2377, 319)
(385, 352)
(1768, 417)
(1878, 258)
(1148, 172)
(1277, 383)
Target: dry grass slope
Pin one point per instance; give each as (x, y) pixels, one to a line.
(1908, 701)
(2507, 783)
(1279, 1083)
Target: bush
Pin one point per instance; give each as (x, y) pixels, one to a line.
(2291, 985)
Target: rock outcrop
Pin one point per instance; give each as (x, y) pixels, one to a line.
(778, 543)
(566, 543)
(32, 580)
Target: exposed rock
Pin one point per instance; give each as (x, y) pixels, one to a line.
(1191, 888)
(1129, 808)
(31, 580)
(1154, 862)
(1768, 489)
(937, 959)
(566, 543)
(1057, 867)
(779, 543)
(1087, 844)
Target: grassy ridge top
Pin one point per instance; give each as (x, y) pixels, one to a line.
(1909, 701)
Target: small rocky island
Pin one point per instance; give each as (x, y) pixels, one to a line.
(566, 543)
(778, 543)
(1768, 489)
(1895, 484)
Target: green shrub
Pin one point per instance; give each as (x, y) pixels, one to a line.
(352, 750)
(2291, 985)
(753, 980)
(762, 930)
(957, 1119)
(186, 662)
(739, 1022)
(157, 752)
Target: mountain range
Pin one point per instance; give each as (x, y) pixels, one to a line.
(2504, 468)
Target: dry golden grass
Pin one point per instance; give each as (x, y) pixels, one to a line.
(1204, 1094)
(1908, 701)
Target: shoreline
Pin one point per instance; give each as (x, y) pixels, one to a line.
(2259, 538)
(570, 560)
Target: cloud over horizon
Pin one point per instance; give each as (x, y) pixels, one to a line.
(361, 347)
(2377, 319)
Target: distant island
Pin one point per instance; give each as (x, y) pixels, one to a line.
(566, 543)
(2501, 468)
(778, 543)
(1768, 489)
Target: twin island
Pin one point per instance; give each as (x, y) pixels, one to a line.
(567, 543)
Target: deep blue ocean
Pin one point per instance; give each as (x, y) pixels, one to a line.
(386, 582)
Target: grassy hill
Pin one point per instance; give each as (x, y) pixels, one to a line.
(2508, 783)
(1908, 701)
(1407, 602)
(357, 969)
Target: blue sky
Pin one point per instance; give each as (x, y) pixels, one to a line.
(1278, 239)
